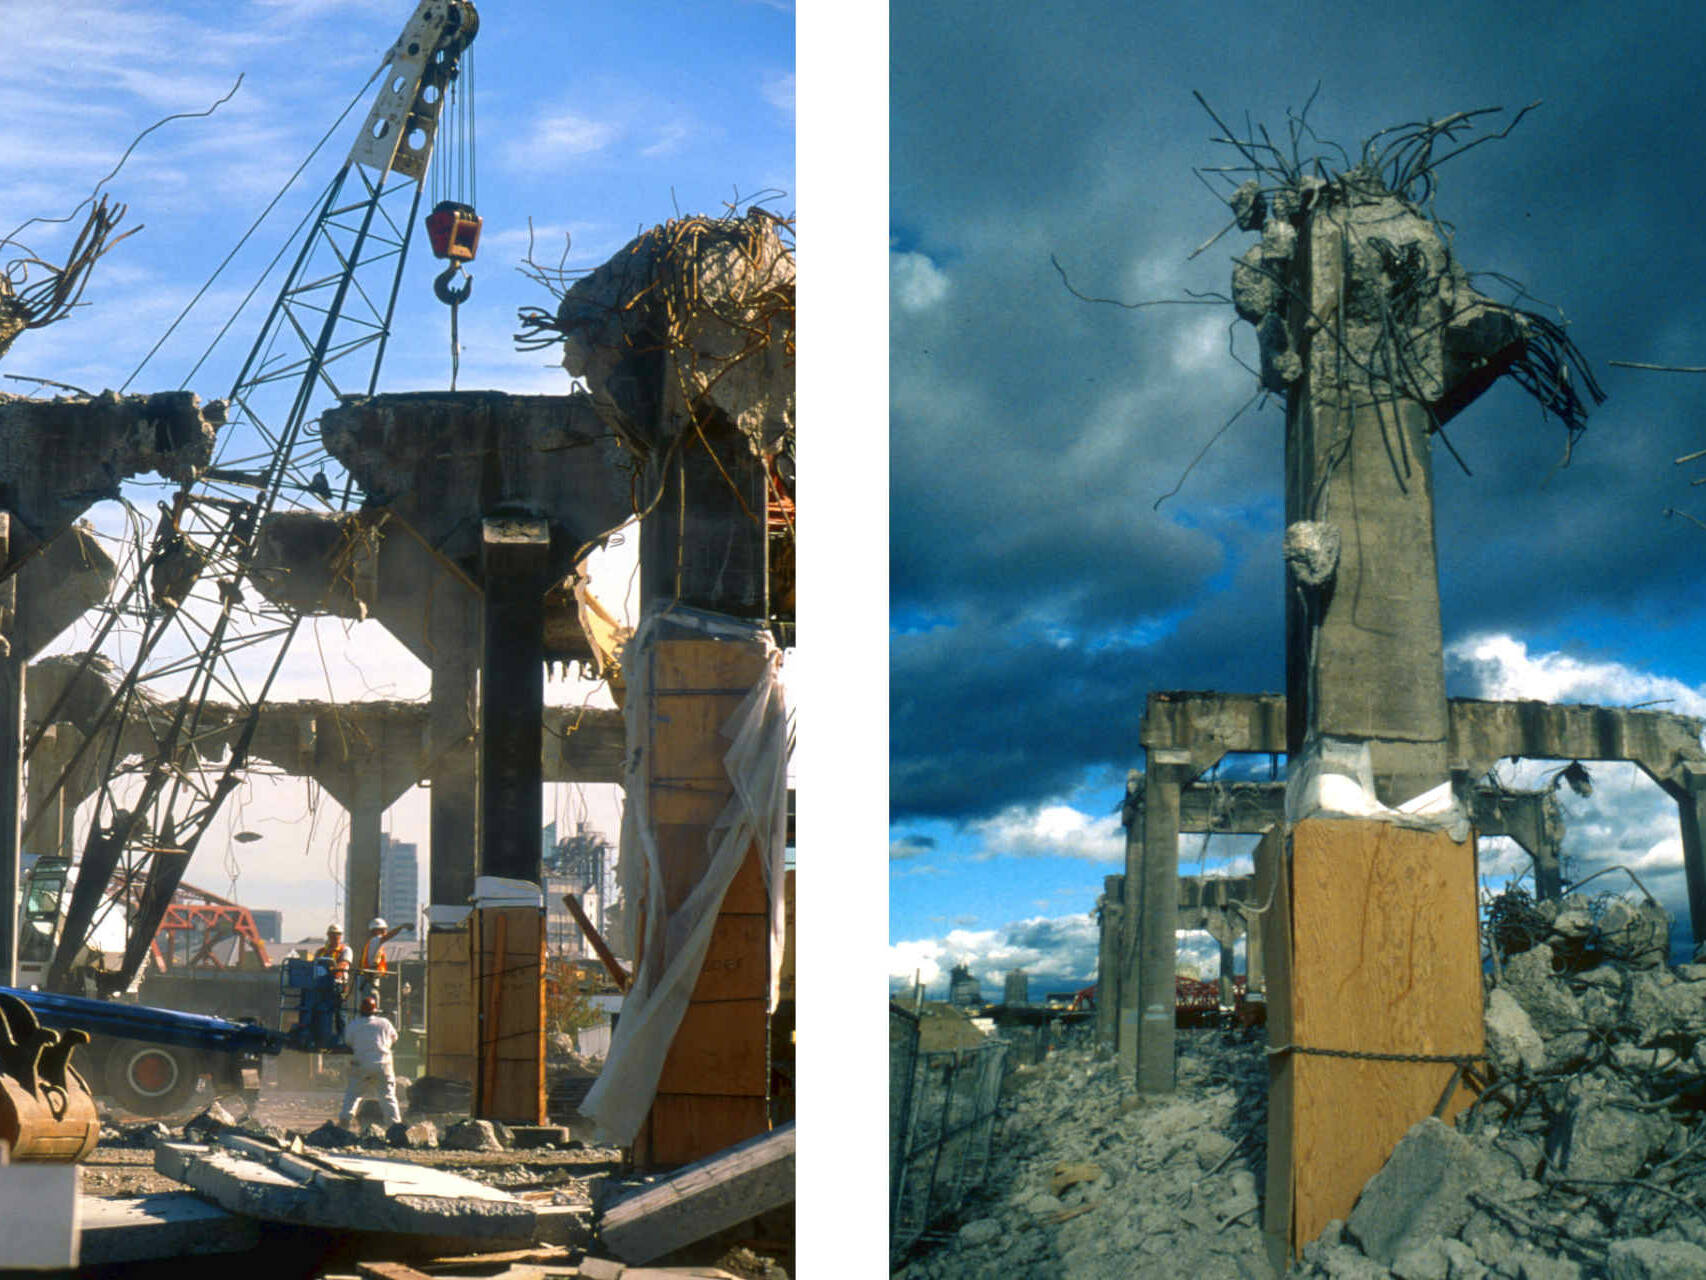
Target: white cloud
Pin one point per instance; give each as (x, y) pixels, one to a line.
(565, 133)
(778, 90)
(915, 283)
(1058, 951)
(669, 139)
(1051, 831)
(1501, 667)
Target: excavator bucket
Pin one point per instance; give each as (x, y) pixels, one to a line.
(46, 1110)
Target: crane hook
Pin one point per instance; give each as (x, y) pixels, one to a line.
(444, 293)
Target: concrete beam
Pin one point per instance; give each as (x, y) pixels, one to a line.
(60, 457)
(441, 461)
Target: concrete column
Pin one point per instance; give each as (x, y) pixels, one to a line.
(1125, 992)
(1169, 769)
(1255, 969)
(1226, 963)
(455, 806)
(361, 868)
(1108, 962)
(512, 683)
(1364, 655)
(1688, 789)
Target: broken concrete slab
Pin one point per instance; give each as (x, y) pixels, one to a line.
(701, 1199)
(170, 1224)
(1421, 1192)
(346, 1192)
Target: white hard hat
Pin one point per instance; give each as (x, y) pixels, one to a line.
(378, 922)
(334, 928)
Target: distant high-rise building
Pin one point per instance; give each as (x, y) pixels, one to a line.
(963, 989)
(1018, 988)
(399, 882)
(269, 923)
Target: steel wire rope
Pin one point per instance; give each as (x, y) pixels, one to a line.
(253, 227)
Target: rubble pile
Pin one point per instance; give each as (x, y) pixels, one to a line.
(1586, 1156)
(1088, 1179)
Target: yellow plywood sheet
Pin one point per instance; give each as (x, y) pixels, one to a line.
(736, 963)
(722, 1047)
(1384, 958)
(687, 1128)
(450, 1005)
(510, 1061)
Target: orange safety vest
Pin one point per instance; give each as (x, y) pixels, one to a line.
(374, 962)
(338, 959)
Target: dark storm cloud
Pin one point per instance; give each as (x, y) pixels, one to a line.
(1037, 594)
(910, 847)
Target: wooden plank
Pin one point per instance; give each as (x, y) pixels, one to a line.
(1385, 958)
(389, 1271)
(721, 1047)
(703, 1199)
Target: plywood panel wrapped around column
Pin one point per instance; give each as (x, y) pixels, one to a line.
(450, 1004)
(714, 1089)
(1374, 947)
(510, 1063)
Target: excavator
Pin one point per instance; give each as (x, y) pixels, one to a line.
(336, 304)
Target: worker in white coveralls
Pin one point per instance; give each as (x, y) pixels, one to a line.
(371, 1074)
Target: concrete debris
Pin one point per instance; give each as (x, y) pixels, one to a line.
(58, 457)
(701, 1199)
(173, 1224)
(345, 1193)
(331, 1136)
(1175, 1189)
(1312, 551)
(471, 1135)
(717, 296)
(1583, 1158)
(419, 1136)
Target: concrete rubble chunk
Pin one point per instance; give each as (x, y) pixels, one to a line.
(471, 1135)
(346, 1192)
(331, 1135)
(1512, 1042)
(1422, 1191)
(1648, 1259)
(421, 1135)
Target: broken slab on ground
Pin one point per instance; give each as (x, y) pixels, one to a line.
(702, 1199)
(170, 1224)
(345, 1193)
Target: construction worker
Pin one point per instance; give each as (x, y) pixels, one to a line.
(337, 956)
(371, 1073)
(373, 961)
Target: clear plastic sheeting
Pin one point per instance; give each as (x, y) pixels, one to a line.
(1334, 777)
(675, 943)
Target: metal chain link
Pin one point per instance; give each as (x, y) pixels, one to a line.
(1456, 1059)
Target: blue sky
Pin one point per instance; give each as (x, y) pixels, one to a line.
(596, 120)
(1039, 591)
